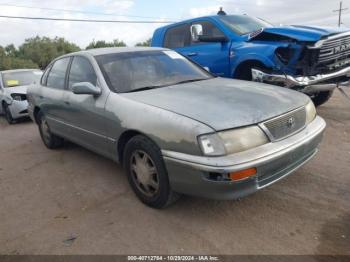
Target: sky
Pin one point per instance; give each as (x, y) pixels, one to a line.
(14, 31)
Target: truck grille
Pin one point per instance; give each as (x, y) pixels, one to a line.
(335, 52)
(285, 125)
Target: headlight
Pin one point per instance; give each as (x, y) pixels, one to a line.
(310, 112)
(17, 97)
(232, 141)
(212, 145)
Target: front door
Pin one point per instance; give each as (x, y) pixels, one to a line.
(212, 55)
(86, 113)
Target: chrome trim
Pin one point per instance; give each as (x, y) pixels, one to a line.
(250, 158)
(319, 43)
(301, 81)
(81, 129)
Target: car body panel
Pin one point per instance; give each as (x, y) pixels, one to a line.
(173, 118)
(260, 49)
(228, 103)
(18, 109)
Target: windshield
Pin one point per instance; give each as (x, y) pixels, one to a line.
(243, 24)
(23, 78)
(130, 72)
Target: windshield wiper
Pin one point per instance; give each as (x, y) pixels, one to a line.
(145, 88)
(159, 86)
(190, 81)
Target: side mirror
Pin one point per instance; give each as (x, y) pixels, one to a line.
(196, 31)
(212, 39)
(86, 88)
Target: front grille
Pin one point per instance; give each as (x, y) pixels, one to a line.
(285, 125)
(335, 52)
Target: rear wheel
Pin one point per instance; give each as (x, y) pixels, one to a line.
(321, 97)
(50, 140)
(147, 174)
(8, 114)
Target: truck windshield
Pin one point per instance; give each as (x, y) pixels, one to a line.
(23, 78)
(143, 70)
(243, 24)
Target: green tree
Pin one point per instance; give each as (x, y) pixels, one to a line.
(42, 50)
(8, 59)
(146, 43)
(11, 50)
(103, 43)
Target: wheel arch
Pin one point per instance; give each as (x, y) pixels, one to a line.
(246, 65)
(124, 138)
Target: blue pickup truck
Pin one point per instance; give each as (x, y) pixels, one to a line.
(311, 60)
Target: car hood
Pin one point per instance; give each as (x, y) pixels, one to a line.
(16, 90)
(302, 33)
(223, 103)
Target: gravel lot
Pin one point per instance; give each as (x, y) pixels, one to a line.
(72, 201)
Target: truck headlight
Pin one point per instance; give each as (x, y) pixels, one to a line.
(310, 112)
(232, 141)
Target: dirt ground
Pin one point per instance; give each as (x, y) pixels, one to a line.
(72, 201)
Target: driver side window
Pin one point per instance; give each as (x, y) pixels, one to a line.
(208, 29)
(81, 71)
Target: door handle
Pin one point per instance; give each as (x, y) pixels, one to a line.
(41, 97)
(67, 103)
(192, 54)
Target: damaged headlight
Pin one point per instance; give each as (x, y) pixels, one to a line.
(284, 54)
(310, 112)
(232, 141)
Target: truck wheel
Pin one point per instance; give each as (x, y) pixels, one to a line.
(147, 174)
(7, 113)
(50, 140)
(321, 97)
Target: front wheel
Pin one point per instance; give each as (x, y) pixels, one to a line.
(8, 114)
(50, 140)
(147, 174)
(321, 97)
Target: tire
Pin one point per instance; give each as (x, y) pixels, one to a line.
(7, 114)
(321, 97)
(147, 174)
(50, 140)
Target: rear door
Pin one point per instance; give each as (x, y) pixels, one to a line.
(50, 97)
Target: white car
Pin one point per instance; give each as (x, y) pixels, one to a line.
(13, 92)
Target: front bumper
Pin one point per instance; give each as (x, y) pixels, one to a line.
(190, 174)
(19, 109)
(307, 84)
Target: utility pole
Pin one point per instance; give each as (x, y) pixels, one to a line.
(340, 10)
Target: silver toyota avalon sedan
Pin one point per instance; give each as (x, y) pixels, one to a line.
(13, 92)
(176, 128)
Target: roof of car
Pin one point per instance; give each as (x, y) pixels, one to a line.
(113, 50)
(19, 70)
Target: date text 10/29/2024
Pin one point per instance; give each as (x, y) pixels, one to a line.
(173, 258)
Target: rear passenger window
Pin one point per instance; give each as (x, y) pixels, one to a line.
(45, 75)
(81, 71)
(57, 76)
(178, 36)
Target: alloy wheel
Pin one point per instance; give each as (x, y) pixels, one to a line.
(144, 173)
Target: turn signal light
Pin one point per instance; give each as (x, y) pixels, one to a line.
(235, 176)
